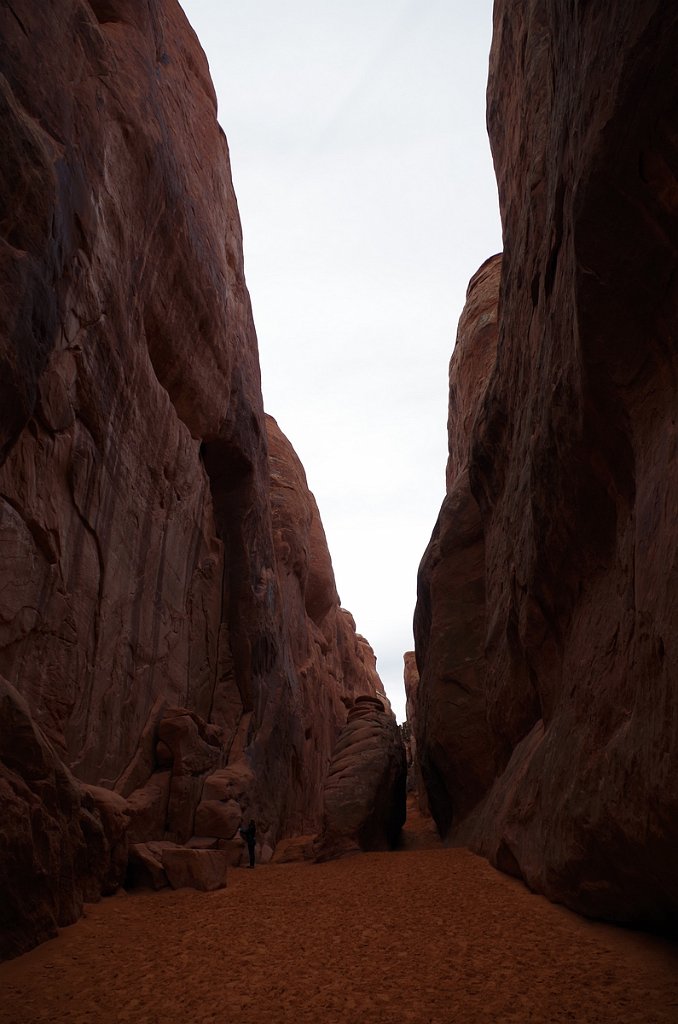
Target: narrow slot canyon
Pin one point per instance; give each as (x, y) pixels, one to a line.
(184, 696)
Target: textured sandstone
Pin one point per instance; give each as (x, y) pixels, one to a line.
(364, 797)
(195, 869)
(563, 767)
(167, 603)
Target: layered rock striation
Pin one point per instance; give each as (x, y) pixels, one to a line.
(170, 631)
(547, 616)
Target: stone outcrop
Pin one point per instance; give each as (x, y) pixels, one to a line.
(365, 789)
(561, 757)
(168, 612)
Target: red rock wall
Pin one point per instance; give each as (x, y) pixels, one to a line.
(570, 776)
(121, 235)
(454, 746)
(167, 603)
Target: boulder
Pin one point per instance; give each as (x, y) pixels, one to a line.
(232, 784)
(235, 850)
(294, 850)
(265, 854)
(213, 818)
(195, 869)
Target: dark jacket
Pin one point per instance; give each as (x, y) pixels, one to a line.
(249, 833)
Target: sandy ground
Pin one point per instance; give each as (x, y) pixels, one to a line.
(424, 935)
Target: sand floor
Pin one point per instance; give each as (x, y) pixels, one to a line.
(425, 935)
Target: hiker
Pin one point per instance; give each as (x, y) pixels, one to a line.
(249, 835)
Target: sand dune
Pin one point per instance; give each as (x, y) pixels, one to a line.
(425, 935)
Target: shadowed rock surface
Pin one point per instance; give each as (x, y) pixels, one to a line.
(548, 718)
(168, 611)
(415, 783)
(55, 849)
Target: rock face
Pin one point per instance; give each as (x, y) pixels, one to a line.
(560, 761)
(448, 705)
(168, 613)
(365, 798)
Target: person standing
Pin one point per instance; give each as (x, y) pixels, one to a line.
(249, 834)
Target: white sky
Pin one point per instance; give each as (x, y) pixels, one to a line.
(367, 198)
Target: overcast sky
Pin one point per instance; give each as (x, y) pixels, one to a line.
(367, 198)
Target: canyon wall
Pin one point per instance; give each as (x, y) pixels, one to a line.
(171, 641)
(547, 618)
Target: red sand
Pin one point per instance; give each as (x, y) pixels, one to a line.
(425, 935)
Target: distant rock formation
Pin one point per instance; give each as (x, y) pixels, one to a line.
(415, 783)
(365, 797)
(548, 711)
(170, 630)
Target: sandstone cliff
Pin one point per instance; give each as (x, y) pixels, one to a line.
(170, 631)
(548, 611)
(454, 745)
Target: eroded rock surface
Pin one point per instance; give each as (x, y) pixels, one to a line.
(364, 798)
(562, 766)
(168, 610)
